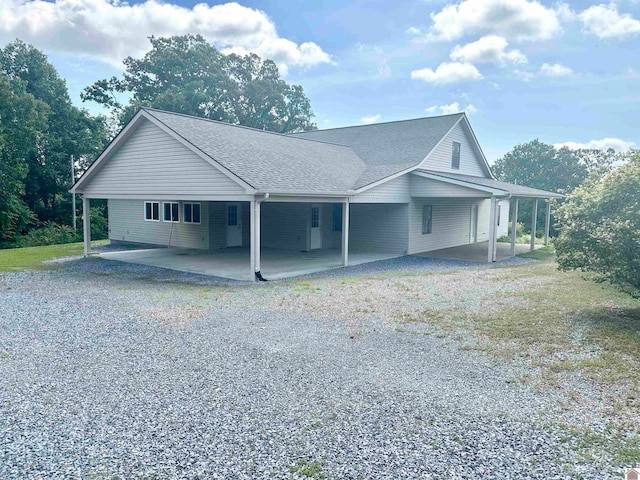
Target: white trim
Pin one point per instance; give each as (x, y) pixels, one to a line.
(171, 212)
(144, 213)
(462, 183)
(185, 198)
(184, 217)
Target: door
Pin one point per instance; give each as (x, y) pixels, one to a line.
(234, 225)
(316, 228)
(473, 224)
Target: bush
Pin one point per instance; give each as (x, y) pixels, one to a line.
(48, 233)
(600, 226)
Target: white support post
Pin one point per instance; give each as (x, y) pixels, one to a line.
(86, 224)
(514, 226)
(547, 222)
(257, 237)
(534, 219)
(252, 239)
(73, 195)
(345, 233)
(492, 231)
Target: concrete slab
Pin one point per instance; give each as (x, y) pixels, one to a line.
(476, 252)
(234, 262)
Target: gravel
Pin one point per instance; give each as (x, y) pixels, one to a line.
(111, 369)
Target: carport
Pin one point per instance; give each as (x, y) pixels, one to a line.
(234, 263)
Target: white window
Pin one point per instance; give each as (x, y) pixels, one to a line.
(499, 213)
(427, 218)
(152, 211)
(455, 156)
(171, 212)
(191, 213)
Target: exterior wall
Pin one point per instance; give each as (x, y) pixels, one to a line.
(379, 227)
(503, 227)
(285, 225)
(218, 225)
(426, 187)
(151, 162)
(451, 221)
(440, 158)
(393, 191)
(127, 223)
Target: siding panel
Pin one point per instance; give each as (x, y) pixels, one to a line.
(440, 158)
(393, 191)
(426, 187)
(127, 223)
(152, 163)
(379, 227)
(284, 225)
(450, 223)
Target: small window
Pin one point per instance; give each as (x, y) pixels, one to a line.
(337, 217)
(427, 219)
(171, 212)
(499, 213)
(315, 217)
(455, 156)
(152, 211)
(191, 213)
(232, 215)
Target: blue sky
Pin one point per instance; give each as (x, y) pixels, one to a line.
(521, 69)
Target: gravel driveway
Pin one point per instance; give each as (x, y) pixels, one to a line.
(109, 371)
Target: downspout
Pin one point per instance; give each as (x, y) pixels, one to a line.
(258, 230)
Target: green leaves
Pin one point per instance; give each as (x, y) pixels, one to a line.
(186, 74)
(600, 226)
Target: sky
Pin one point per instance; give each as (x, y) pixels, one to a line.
(566, 73)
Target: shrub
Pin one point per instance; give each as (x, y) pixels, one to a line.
(600, 226)
(48, 233)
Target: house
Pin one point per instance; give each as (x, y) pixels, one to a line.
(393, 188)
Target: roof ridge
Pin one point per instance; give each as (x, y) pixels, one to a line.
(378, 123)
(227, 124)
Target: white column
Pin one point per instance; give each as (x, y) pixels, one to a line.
(534, 219)
(547, 222)
(345, 233)
(514, 226)
(257, 238)
(492, 231)
(252, 237)
(86, 224)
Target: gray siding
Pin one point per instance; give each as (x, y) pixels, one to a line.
(393, 191)
(218, 225)
(127, 223)
(440, 158)
(379, 227)
(285, 225)
(426, 187)
(450, 223)
(151, 162)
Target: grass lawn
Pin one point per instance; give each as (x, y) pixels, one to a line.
(15, 259)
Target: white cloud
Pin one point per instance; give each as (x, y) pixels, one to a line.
(513, 19)
(605, 22)
(555, 70)
(451, 108)
(371, 119)
(488, 49)
(413, 31)
(110, 30)
(448, 72)
(604, 144)
(523, 75)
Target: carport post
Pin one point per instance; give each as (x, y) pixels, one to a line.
(547, 222)
(514, 226)
(345, 233)
(534, 219)
(86, 224)
(492, 231)
(252, 239)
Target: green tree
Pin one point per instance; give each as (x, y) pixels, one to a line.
(69, 131)
(600, 225)
(186, 74)
(539, 165)
(22, 123)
